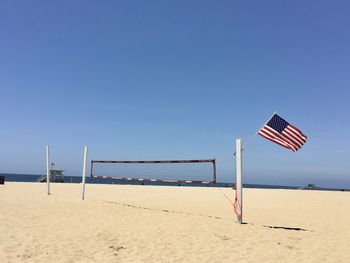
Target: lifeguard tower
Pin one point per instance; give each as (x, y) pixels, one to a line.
(56, 176)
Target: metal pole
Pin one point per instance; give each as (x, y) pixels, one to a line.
(84, 173)
(214, 170)
(48, 168)
(239, 183)
(91, 165)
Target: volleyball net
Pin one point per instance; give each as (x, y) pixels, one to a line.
(167, 171)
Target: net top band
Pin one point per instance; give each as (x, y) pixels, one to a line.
(162, 161)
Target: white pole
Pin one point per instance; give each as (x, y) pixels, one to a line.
(239, 183)
(84, 173)
(48, 168)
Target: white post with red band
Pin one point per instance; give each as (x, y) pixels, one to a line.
(239, 183)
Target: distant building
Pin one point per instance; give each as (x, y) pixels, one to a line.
(56, 176)
(310, 187)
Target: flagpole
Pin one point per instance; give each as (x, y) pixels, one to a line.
(256, 133)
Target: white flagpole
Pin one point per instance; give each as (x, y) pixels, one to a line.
(84, 173)
(256, 133)
(48, 168)
(239, 183)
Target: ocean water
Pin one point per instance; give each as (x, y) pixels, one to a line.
(89, 180)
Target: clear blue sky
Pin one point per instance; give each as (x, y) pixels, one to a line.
(176, 79)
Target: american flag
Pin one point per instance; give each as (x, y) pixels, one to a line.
(281, 132)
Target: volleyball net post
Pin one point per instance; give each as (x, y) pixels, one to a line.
(48, 168)
(84, 173)
(238, 205)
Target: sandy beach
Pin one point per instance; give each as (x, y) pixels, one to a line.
(122, 223)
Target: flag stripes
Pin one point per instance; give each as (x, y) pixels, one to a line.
(282, 133)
